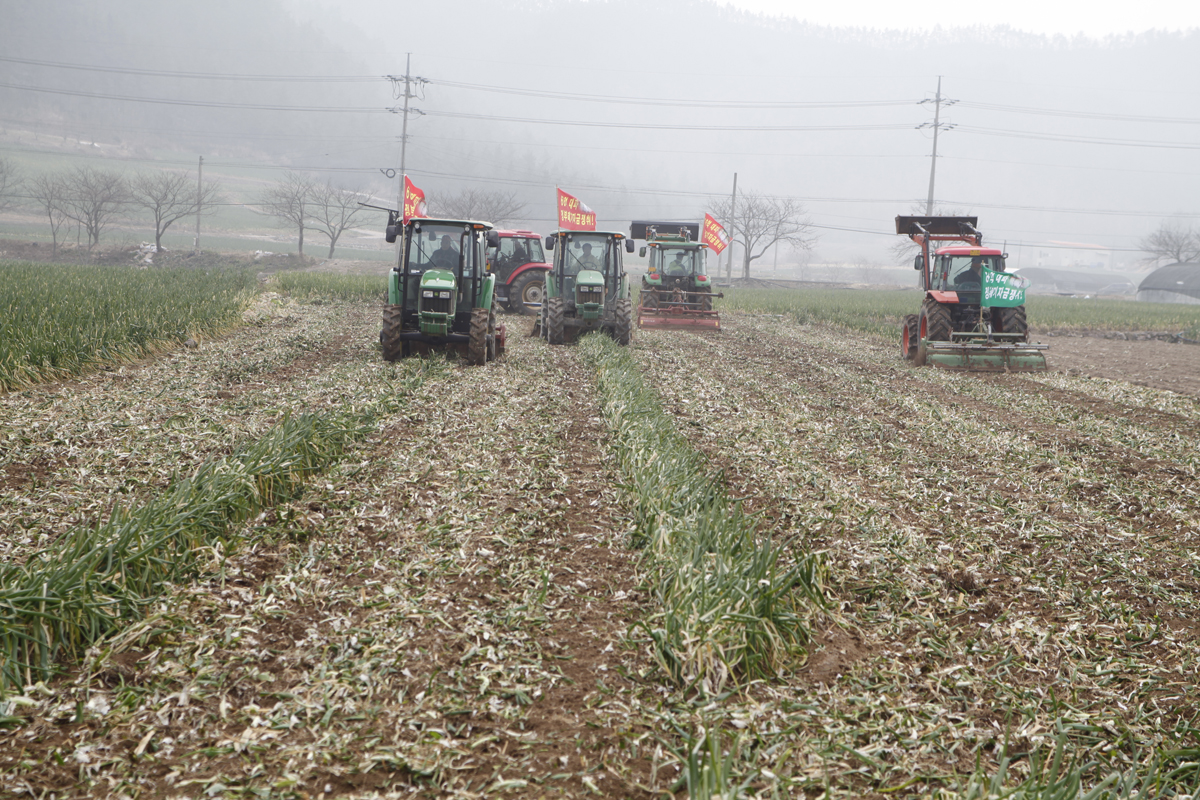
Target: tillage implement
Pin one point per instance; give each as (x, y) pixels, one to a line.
(586, 288)
(676, 289)
(440, 293)
(973, 315)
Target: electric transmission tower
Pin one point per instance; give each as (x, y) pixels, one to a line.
(937, 125)
(410, 82)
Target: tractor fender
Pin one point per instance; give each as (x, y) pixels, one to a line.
(532, 266)
(486, 291)
(394, 298)
(942, 297)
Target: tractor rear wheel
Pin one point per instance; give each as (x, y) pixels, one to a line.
(1012, 320)
(908, 337)
(389, 337)
(554, 320)
(477, 346)
(623, 321)
(527, 293)
(933, 325)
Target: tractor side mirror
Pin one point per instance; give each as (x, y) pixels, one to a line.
(629, 245)
(493, 238)
(389, 235)
(549, 242)
(642, 252)
(919, 261)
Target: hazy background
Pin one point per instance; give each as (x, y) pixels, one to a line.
(1070, 148)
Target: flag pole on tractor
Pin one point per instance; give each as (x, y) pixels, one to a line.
(574, 215)
(414, 201)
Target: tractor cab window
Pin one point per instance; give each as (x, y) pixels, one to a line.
(679, 261)
(584, 251)
(439, 247)
(965, 273)
(520, 251)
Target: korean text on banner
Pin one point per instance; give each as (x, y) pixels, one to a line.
(1002, 290)
(414, 201)
(714, 234)
(574, 215)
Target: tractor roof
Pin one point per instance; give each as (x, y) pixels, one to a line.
(968, 250)
(474, 223)
(615, 234)
(519, 235)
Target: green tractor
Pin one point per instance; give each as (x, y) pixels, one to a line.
(676, 289)
(440, 294)
(586, 289)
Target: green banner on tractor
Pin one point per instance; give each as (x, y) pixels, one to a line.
(1002, 290)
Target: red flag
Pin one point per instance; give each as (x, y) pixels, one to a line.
(714, 234)
(414, 201)
(574, 215)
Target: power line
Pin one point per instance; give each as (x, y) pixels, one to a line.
(1049, 112)
(222, 76)
(197, 103)
(654, 126)
(1056, 137)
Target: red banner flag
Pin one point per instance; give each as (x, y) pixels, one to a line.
(714, 234)
(574, 215)
(414, 201)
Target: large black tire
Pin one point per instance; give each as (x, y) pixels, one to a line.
(934, 325)
(527, 293)
(477, 347)
(389, 337)
(1012, 320)
(908, 337)
(554, 320)
(623, 321)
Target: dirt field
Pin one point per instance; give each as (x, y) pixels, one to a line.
(453, 610)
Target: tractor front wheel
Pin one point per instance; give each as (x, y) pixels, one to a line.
(528, 293)
(908, 337)
(623, 321)
(477, 347)
(554, 320)
(1012, 320)
(389, 337)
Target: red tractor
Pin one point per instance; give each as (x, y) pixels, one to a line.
(520, 267)
(957, 328)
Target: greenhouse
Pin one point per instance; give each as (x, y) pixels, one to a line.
(1177, 283)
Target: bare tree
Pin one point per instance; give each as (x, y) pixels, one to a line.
(494, 207)
(289, 202)
(49, 193)
(760, 222)
(93, 197)
(332, 211)
(1173, 241)
(10, 185)
(169, 197)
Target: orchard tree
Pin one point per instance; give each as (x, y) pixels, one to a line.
(332, 210)
(759, 222)
(49, 193)
(170, 197)
(290, 201)
(480, 204)
(93, 198)
(1174, 242)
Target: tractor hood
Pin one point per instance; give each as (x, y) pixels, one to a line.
(435, 301)
(438, 279)
(589, 277)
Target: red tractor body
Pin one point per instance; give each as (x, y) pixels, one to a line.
(519, 264)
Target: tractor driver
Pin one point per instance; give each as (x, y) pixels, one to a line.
(445, 257)
(677, 267)
(587, 260)
(971, 277)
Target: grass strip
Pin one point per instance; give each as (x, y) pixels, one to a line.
(323, 285)
(732, 606)
(57, 321)
(92, 581)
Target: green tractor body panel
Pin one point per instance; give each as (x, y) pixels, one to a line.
(586, 290)
(440, 293)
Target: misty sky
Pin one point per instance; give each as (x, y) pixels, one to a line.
(1096, 19)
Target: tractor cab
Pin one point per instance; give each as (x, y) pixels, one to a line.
(519, 264)
(586, 288)
(440, 291)
(960, 269)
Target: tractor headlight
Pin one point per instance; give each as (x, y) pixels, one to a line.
(427, 293)
(445, 295)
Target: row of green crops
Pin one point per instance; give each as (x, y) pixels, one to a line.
(92, 581)
(731, 608)
(311, 285)
(880, 311)
(57, 321)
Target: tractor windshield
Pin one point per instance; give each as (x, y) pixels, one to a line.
(520, 251)
(680, 261)
(964, 273)
(434, 246)
(585, 251)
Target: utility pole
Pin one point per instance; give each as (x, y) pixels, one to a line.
(732, 231)
(199, 204)
(409, 80)
(937, 125)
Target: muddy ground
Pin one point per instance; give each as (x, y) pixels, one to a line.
(454, 609)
